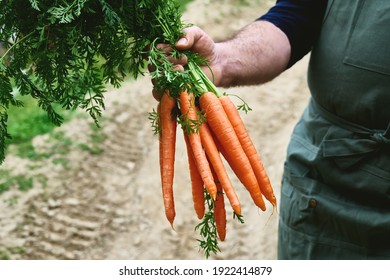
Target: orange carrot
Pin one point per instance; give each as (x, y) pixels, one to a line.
(249, 149)
(224, 132)
(217, 165)
(219, 209)
(189, 115)
(196, 181)
(167, 141)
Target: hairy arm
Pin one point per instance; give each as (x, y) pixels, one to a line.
(256, 54)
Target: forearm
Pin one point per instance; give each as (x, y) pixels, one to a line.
(256, 54)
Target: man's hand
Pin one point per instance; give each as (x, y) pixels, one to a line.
(257, 53)
(199, 42)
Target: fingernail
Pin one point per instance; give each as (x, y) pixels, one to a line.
(182, 41)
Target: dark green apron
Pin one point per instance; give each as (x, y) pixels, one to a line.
(335, 198)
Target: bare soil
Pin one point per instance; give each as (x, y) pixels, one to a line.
(102, 199)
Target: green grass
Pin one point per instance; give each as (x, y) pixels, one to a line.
(22, 182)
(29, 121)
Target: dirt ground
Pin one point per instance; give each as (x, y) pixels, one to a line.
(104, 201)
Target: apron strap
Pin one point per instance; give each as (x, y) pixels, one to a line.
(348, 143)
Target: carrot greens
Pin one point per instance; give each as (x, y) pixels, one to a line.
(66, 52)
(208, 230)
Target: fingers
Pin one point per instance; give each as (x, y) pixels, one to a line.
(178, 64)
(157, 93)
(196, 40)
(167, 49)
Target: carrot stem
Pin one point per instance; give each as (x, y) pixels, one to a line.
(203, 83)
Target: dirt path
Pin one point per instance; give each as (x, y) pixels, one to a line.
(106, 203)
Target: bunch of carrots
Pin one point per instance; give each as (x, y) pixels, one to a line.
(213, 130)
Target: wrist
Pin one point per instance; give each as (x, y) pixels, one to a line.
(256, 54)
(227, 64)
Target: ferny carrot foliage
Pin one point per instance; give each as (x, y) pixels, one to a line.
(66, 52)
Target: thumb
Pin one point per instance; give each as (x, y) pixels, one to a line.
(182, 44)
(191, 35)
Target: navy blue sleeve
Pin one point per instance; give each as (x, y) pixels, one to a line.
(300, 20)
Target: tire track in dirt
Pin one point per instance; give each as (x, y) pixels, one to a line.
(88, 208)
